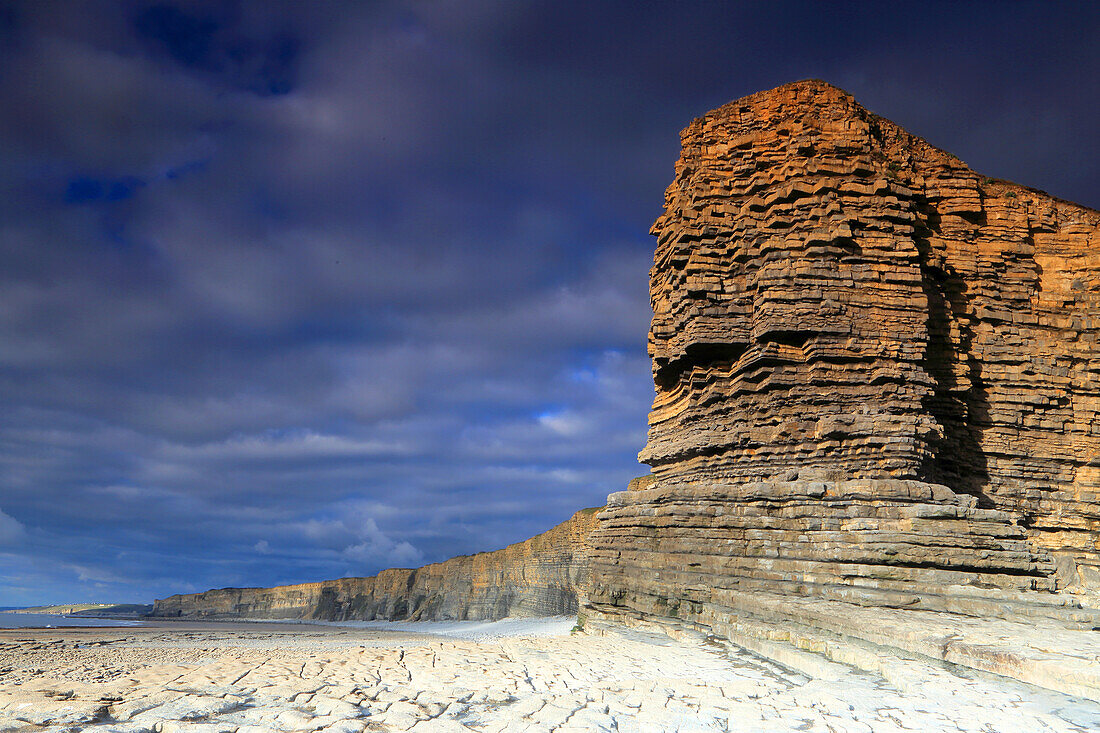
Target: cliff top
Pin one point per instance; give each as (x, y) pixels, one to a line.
(816, 98)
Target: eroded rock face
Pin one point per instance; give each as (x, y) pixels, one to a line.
(878, 379)
(538, 577)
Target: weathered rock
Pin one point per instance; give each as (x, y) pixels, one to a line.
(877, 384)
(537, 577)
(875, 431)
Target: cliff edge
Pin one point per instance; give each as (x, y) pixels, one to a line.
(537, 577)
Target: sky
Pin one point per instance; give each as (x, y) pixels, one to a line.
(296, 291)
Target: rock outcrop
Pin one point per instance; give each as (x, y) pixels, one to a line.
(878, 383)
(537, 577)
(875, 430)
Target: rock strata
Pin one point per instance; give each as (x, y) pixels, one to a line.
(537, 577)
(878, 380)
(875, 428)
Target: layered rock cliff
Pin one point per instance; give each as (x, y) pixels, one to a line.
(878, 382)
(537, 577)
(875, 427)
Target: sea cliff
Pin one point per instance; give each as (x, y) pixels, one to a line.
(538, 577)
(875, 424)
(874, 434)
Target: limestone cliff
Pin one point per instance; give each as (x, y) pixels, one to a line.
(878, 380)
(537, 577)
(875, 426)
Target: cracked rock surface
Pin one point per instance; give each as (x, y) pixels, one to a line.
(235, 678)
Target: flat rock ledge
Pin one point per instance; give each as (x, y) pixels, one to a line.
(859, 573)
(253, 678)
(826, 639)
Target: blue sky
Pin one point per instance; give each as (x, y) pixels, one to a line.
(292, 291)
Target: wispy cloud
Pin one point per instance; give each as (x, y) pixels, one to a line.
(11, 531)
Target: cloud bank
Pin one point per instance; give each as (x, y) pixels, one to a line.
(293, 291)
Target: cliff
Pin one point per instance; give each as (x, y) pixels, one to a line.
(875, 426)
(537, 577)
(877, 385)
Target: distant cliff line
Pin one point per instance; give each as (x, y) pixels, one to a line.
(537, 577)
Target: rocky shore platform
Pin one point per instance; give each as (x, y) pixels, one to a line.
(529, 675)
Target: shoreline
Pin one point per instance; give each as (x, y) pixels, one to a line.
(454, 627)
(464, 629)
(51, 621)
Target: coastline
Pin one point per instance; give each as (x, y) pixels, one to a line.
(28, 620)
(471, 630)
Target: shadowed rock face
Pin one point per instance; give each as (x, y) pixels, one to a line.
(877, 376)
(537, 577)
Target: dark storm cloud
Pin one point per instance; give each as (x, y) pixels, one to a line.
(211, 41)
(296, 290)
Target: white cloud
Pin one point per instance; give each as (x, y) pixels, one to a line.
(358, 539)
(399, 555)
(92, 574)
(304, 444)
(566, 423)
(11, 530)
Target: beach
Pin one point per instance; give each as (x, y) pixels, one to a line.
(514, 675)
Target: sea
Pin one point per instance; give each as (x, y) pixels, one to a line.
(50, 620)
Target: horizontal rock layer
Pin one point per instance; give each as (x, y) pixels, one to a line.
(878, 383)
(835, 296)
(537, 577)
